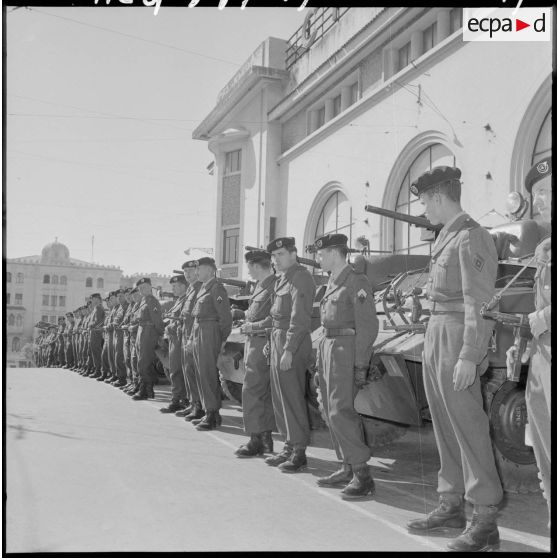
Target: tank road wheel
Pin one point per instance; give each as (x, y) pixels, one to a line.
(378, 433)
(233, 390)
(505, 405)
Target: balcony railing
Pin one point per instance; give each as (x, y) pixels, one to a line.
(315, 26)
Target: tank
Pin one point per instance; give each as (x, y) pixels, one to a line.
(397, 394)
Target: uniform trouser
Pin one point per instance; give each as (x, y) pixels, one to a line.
(257, 407)
(207, 344)
(338, 390)
(146, 343)
(112, 362)
(288, 388)
(460, 423)
(127, 357)
(69, 355)
(105, 356)
(538, 398)
(61, 353)
(119, 363)
(134, 358)
(178, 387)
(96, 345)
(190, 374)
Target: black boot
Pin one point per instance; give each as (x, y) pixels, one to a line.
(297, 462)
(267, 442)
(362, 484)
(342, 476)
(174, 405)
(285, 455)
(185, 412)
(150, 392)
(450, 513)
(141, 394)
(252, 448)
(481, 535)
(196, 416)
(211, 421)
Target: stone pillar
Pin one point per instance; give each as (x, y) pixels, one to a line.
(416, 44)
(328, 110)
(443, 24)
(345, 97)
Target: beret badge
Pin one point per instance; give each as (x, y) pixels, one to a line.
(542, 168)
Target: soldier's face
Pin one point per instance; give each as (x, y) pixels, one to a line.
(145, 289)
(191, 274)
(136, 297)
(205, 272)
(431, 206)
(542, 198)
(326, 259)
(121, 298)
(283, 259)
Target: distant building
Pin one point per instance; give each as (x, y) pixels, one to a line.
(159, 282)
(42, 288)
(353, 107)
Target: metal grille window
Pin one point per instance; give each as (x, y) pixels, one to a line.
(429, 36)
(336, 216)
(46, 279)
(404, 56)
(53, 300)
(62, 301)
(45, 300)
(456, 19)
(230, 245)
(19, 299)
(89, 282)
(406, 237)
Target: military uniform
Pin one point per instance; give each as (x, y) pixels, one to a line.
(96, 337)
(68, 349)
(127, 347)
(212, 325)
(110, 341)
(105, 357)
(291, 314)
(118, 341)
(150, 328)
(133, 325)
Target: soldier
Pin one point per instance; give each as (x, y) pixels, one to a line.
(291, 352)
(350, 327)
(257, 407)
(59, 356)
(68, 349)
(73, 338)
(150, 328)
(118, 339)
(77, 338)
(462, 276)
(133, 332)
(51, 346)
(96, 336)
(194, 411)
(179, 399)
(538, 390)
(106, 376)
(212, 326)
(87, 353)
(124, 325)
(112, 304)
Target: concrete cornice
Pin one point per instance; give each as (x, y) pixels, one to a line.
(256, 74)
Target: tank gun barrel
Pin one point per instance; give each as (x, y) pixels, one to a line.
(233, 282)
(301, 260)
(421, 222)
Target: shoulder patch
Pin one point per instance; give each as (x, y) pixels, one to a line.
(362, 294)
(478, 262)
(219, 298)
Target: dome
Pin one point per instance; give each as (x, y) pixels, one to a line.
(55, 252)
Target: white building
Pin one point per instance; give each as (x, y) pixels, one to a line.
(353, 107)
(42, 288)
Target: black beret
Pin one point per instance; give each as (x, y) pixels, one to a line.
(253, 256)
(142, 281)
(432, 177)
(538, 171)
(328, 240)
(70, 314)
(96, 295)
(278, 243)
(61, 318)
(206, 261)
(118, 291)
(190, 264)
(134, 290)
(178, 279)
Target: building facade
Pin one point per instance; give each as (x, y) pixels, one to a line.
(354, 106)
(42, 288)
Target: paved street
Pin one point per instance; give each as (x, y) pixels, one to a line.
(88, 469)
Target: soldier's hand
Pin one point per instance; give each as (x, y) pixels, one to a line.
(360, 377)
(189, 348)
(537, 323)
(267, 351)
(511, 356)
(246, 327)
(286, 361)
(464, 374)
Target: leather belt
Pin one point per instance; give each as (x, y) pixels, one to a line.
(279, 325)
(338, 332)
(206, 319)
(255, 334)
(447, 307)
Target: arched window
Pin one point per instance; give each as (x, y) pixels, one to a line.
(46, 279)
(543, 145)
(407, 237)
(89, 282)
(19, 278)
(63, 280)
(15, 345)
(100, 283)
(8, 277)
(11, 320)
(55, 279)
(336, 216)
(19, 320)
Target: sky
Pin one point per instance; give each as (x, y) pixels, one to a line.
(100, 108)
